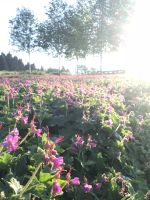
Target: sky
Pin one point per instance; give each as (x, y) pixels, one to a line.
(133, 55)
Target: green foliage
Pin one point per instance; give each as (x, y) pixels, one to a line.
(13, 63)
(23, 28)
(52, 33)
(112, 147)
(23, 31)
(89, 27)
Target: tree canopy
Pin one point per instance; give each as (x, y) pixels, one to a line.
(23, 31)
(91, 26)
(13, 63)
(88, 27)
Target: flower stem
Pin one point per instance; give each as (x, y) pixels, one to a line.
(24, 138)
(30, 180)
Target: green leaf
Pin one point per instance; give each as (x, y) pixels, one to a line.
(44, 138)
(2, 195)
(15, 185)
(89, 162)
(59, 149)
(62, 182)
(120, 143)
(39, 190)
(95, 196)
(131, 189)
(5, 160)
(113, 184)
(45, 177)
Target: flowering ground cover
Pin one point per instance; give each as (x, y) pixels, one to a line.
(74, 138)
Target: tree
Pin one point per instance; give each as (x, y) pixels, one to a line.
(13, 63)
(90, 27)
(64, 32)
(103, 22)
(109, 17)
(3, 62)
(77, 22)
(10, 61)
(23, 31)
(52, 33)
(18, 64)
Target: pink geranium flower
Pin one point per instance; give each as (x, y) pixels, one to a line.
(98, 186)
(58, 161)
(75, 181)
(56, 188)
(91, 142)
(38, 132)
(11, 141)
(87, 188)
(25, 119)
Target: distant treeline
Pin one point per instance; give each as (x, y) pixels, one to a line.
(13, 63)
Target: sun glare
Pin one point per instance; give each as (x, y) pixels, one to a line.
(138, 41)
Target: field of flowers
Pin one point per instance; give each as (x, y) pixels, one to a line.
(73, 138)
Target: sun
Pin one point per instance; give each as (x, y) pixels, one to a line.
(137, 47)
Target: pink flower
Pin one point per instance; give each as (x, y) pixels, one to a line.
(79, 141)
(14, 132)
(110, 108)
(109, 122)
(27, 83)
(28, 107)
(38, 132)
(11, 141)
(129, 137)
(91, 143)
(87, 188)
(119, 179)
(56, 188)
(98, 186)
(59, 139)
(75, 181)
(34, 130)
(125, 140)
(25, 119)
(40, 91)
(58, 162)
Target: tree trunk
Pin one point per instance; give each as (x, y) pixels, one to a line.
(101, 61)
(77, 59)
(29, 62)
(59, 62)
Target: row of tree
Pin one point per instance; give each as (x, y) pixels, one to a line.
(13, 63)
(57, 71)
(88, 27)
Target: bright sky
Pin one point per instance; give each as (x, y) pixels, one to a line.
(134, 55)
